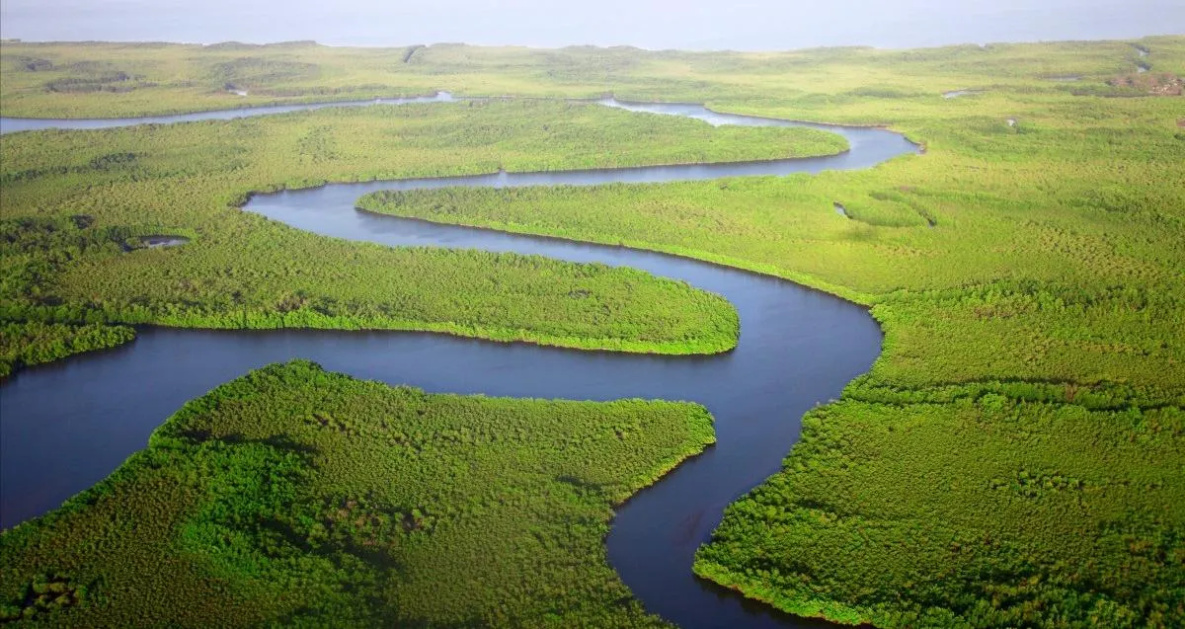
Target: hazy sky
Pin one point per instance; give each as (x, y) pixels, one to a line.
(696, 24)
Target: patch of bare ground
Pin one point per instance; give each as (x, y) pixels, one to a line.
(1154, 84)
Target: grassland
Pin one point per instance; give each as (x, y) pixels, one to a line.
(295, 496)
(1016, 455)
(76, 205)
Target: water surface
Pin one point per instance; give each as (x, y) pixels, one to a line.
(12, 125)
(797, 349)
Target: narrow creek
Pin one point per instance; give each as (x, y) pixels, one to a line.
(798, 348)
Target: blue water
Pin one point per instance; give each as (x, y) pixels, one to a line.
(797, 349)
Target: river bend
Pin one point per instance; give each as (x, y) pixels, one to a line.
(797, 349)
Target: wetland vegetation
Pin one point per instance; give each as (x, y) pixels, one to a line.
(986, 505)
(1014, 458)
(1030, 273)
(80, 206)
(295, 496)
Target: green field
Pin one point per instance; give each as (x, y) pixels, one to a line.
(294, 496)
(1016, 457)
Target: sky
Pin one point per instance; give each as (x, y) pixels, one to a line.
(652, 24)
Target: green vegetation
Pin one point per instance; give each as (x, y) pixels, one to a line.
(34, 342)
(1016, 455)
(883, 85)
(1098, 300)
(985, 506)
(297, 496)
(1032, 266)
(33, 253)
(77, 205)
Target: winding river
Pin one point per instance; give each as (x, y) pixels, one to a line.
(67, 425)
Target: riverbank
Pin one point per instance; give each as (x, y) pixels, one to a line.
(293, 493)
(183, 191)
(806, 322)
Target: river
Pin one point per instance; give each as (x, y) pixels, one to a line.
(65, 426)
